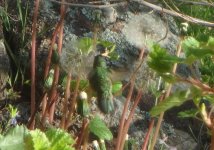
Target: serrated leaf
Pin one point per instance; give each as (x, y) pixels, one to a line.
(109, 45)
(14, 139)
(85, 44)
(176, 99)
(59, 139)
(98, 128)
(161, 61)
(190, 42)
(188, 113)
(36, 140)
(116, 86)
(195, 50)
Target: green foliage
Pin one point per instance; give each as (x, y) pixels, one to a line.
(85, 45)
(198, 11)
(55, 57)
(195, 50)
(59, 139)
(13, 111)
(116, 87)
(98, 128)
(36, 140)
(160, 60)
(207, 70)
(14, 139)
(49, 80)
(188, 113)
(5, 17)
(176, 99)
(82, 104)
(20, 138)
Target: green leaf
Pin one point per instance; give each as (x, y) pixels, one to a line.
(59, 139)
(55, 57)
(210, 42)
(49, 79)
(83, 107)
(188, 113)
(109, 45)
(82, 85)
(161, 61)
(195, 50)
(190, 42)
(116, 86)
(114, 56)
(98, 127)
(14, 139)
(36, 140)
(176, 99)
(85, 44)
(168, 77)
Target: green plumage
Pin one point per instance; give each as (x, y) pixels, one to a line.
(102, 84)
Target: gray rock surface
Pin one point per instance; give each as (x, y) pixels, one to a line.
(4, 65)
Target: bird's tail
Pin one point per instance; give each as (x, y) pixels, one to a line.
(105, 101)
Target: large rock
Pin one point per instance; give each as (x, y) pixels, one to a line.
(4, 65)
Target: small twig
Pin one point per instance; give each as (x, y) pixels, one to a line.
(89, 5)
(125, 110)
(48, 62)
(146, 140)
(197, 3)
(128, 121)
(56, 69)
(33, 64)
(73, 103)
(176, 14)
(82, 133)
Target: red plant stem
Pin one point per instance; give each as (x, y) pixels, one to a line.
(151, 125)
(33, 64)
(56, 71)
(67, 95)
(72, 103)
(160, 119)
(82, 133)
(48, 61)
(128, 121)
(125, 110)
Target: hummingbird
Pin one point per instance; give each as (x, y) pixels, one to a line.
(100, 81)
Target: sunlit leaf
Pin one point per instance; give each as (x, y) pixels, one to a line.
(176, 99)
(36, 140)
(14, 139)
(193, 50)
(210, 42)
(85, 44)
(59, 139)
